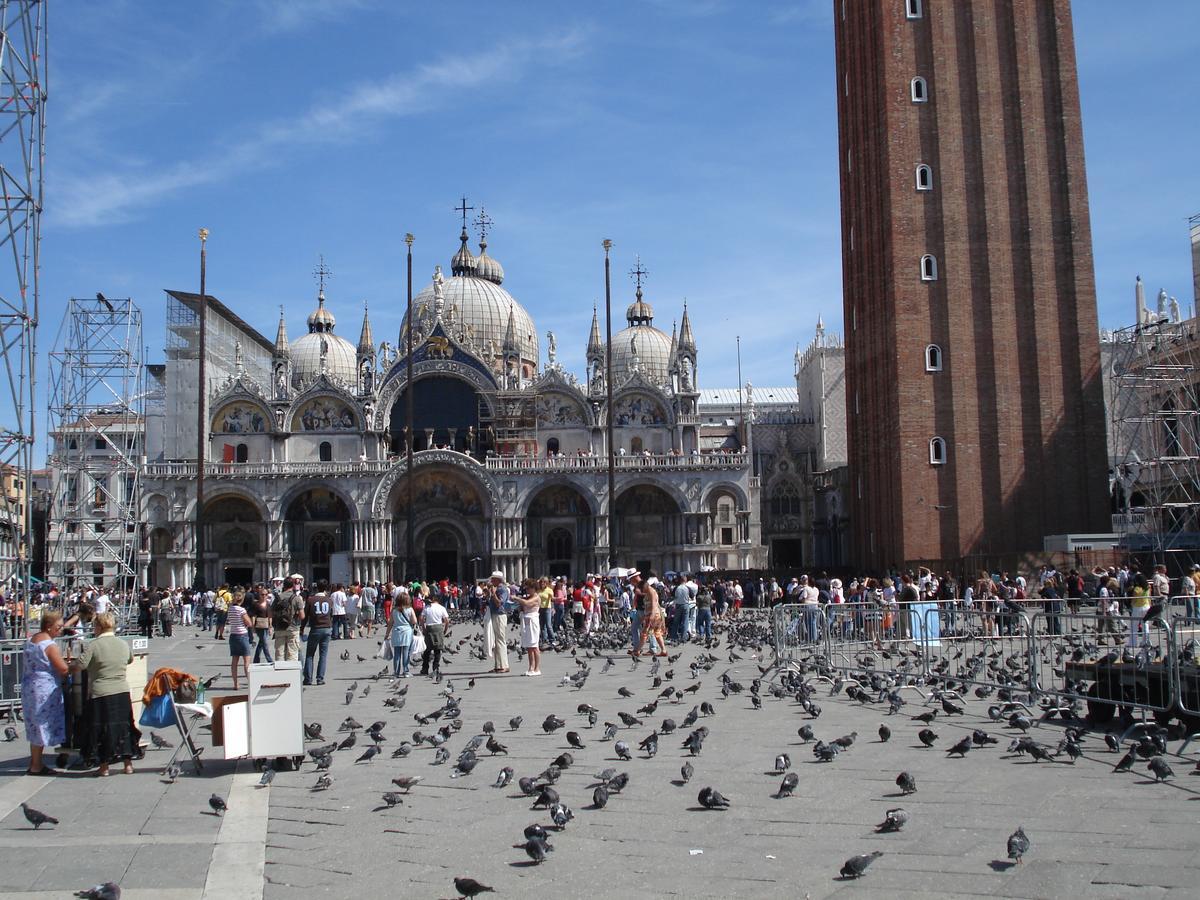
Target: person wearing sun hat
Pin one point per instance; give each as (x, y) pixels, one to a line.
(497, 601)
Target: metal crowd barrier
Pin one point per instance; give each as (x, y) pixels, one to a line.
(1185, 635)
(797, 628)
(984, 649)
(866, 636)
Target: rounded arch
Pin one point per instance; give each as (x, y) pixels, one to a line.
(324, 411)
(235, 493)
(157, 508)
(639, 406)
(301, 492)
(241, 415)
(726, 487)
(396, 382)
(558, 497)
(646, 497)
(383, 503)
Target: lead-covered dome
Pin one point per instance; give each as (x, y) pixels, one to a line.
(341, 358)
(473, 297)
(653, 348)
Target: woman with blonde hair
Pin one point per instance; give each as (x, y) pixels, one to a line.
(111, 732)
(41, 693)
(239, 623)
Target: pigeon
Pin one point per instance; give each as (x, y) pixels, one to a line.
(159, 742)
(324, 782)
(37, 818)
(563, 761)
(546, 797)
(805, 732)
(369, 754)
(391, 798)
(1018, 845)
(981, 738)
(927, 736)
(407, 782)
(552, 723)
(894, 820)
(906, 783)
(324, 762)
(926, 717)
(575, 740)
(490, 728)
(625, 692)
(10, 733)
(600, 797)
(1159, 767)
(783, 762)
(268, 776)
(856, 866)
(535, 850)
(465, 766)
(527, 785)
(172, 772)
(790, 781)
(686, 771)
(494, 746)
(536, 831)
(217, 804)
(404, 749)
(885, 733)
(622, 750)
(1110, 741)
(513, 724)
(560, 815)
(469, 887)
(504, 778)
(710, 798)
(349, 697)
(313, 732)
(961, 748)
(110, 890)
(440, 756)
(349, 742)
(617, 783)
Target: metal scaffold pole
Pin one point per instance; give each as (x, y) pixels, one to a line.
(22, 137)
(97, 430)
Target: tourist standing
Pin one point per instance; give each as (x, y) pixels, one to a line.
(531, 635)
(497, 604)
(260, 612)
(436, 620)
(337, 600)
(239, 623)
(41, 693)
(287, 616)
(111, 732)
(545, 595)
(401, 627)
(318, 615)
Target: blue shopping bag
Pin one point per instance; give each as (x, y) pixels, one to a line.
(160, 713)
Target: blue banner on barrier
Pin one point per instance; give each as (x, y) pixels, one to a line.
(926, 623)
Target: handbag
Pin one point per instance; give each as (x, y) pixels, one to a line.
(418, 643)
(385, 650)
(160, 713)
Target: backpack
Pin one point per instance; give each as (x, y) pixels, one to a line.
(283, 610)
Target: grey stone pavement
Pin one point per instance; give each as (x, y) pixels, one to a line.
(1093, 833)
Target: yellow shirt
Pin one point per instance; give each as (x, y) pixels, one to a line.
(545, 598)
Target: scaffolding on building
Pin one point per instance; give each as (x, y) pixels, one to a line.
(97, 446)
(22, 135)
(1155, 430)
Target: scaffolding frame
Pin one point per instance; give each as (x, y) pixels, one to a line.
(22, 154)
(97, 445)
(1155, 412)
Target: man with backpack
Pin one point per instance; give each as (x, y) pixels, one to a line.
(287, 613)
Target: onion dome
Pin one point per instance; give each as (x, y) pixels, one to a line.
(488, 268)
(463, 262)
(321, 320)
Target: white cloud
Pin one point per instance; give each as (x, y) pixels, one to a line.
(289, 15)
(88, 200)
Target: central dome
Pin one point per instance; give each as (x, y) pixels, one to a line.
(476, 299)
(653, 353)
(341, 357)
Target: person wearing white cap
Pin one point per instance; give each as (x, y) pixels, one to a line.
(497, 601)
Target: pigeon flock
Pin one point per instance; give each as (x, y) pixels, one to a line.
(587, 761)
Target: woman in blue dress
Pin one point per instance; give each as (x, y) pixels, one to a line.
(41, 693)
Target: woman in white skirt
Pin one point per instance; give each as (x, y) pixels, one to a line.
(531, 630)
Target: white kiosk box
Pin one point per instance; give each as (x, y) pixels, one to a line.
(268, 722)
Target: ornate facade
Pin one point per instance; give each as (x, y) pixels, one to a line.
(306, 466)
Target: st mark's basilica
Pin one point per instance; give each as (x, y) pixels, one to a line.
(307, 471)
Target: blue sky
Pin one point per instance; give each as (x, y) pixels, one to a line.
(700, 134)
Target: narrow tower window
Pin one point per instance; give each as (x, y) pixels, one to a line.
(933, 358)
(920, 90)
(912, 9)
(929, 267)
(924, 178)
(937, 451)
(325, 452)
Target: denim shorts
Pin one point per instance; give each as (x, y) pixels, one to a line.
(239, 645)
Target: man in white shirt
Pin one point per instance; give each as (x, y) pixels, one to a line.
(435, 620)
(353, 609)
(337, 601)
(809, 595)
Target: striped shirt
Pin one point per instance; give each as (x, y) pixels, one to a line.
(237, 619)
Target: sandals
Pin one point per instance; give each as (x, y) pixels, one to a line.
(43, 772)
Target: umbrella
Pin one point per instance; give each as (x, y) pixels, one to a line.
(618, 572)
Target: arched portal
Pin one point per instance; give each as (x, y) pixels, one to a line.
(317, 525)
(560, 531)
(450, 511)
(447, 412)
(648, 529)
(234, 537)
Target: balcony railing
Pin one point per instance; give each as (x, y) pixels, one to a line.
(657, 462)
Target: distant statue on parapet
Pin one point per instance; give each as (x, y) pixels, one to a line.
(1162, 304)
(551, 347)
(1174, 310)
(634, 363)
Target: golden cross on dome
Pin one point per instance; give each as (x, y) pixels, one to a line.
(322, 272)
(637, 273)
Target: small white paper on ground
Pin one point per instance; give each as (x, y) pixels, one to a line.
(695, 852)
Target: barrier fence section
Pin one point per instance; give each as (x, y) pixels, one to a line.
(987, 650)
(798, 628)
(1104, 662)
(868, 636)
(1185, 637)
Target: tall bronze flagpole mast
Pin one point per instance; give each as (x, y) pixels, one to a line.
(410, 522)
(201, 430)
(608, 385)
